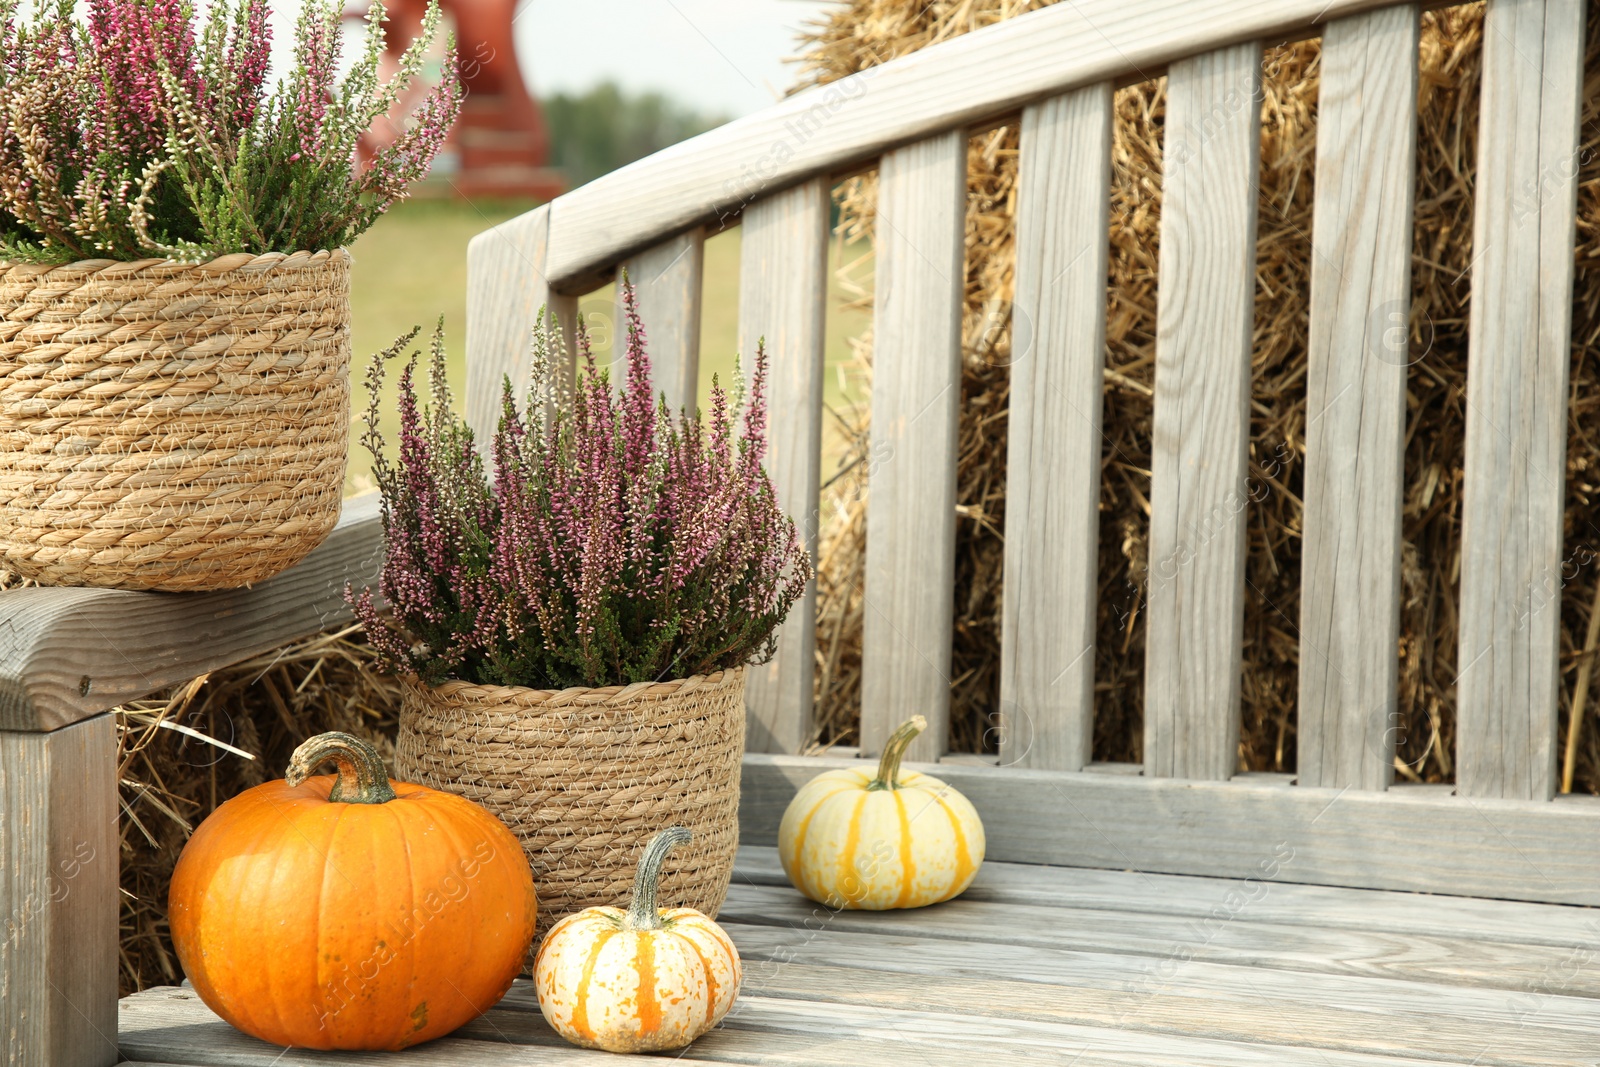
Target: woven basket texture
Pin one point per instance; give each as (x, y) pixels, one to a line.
(584, 777)
(172, 426)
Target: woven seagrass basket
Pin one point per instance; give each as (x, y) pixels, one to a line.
(584, 777)
(172, 426)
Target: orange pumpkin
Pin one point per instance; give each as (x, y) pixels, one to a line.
(348, 911)
(640, 980)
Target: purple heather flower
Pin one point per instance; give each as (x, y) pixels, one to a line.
(616, 542)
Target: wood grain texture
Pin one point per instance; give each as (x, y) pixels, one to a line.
(1229, 986)
(667, 281)
(1124, 994)
(1058, 327)
(760, 1030)
(58, 896)
(1198, 490)
(506, 287)
(1443, 961)
(1512, 850)
(1523, 234)
(1431, 1032)
(1357, 356)
(970, 80)
(1287, 903)
(67, 654)
(911, 483)
(170, 1024)
(783, 292)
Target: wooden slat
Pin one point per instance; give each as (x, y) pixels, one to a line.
(1355, 398)
(911, 488)
(1192, 897)
(66, 654)
(760, 1030)
(667, 279)
(1445, 961)
(967, 81)
(58, 896)
(1380, 1017)
(1512, 850)
(506, 287)
(773, 939)
(783, 290)
(1058, 326)
(168, 1024)
(1523, 233)
(1198, 490)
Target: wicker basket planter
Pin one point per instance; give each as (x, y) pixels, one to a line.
(584, 777)
(166, 426)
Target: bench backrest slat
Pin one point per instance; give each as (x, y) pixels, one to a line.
(1516, 421)
(1202, 424)
(667, 279)
(1054, 445)
(911, 485)
(783, 287)
(1357, 356)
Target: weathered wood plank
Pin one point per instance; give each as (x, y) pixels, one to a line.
(1513, 850)
(1446, 961)
(1287, 903)
(911, 490)
(759, 1030)
(1058, 327)
(952, 85)
(1244, 995)
(783, 292)
(58, 896)
(667, 280)
(1355, 395)
(66, 654)
(1261, 1018)
(1198, 490)
(506, 287)
(1523, 233)
(168, 1024)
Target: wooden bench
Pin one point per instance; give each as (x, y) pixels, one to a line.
(1173, 912)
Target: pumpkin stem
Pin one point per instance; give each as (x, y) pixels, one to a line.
(642, 913)
(362, 778)
(894, 751)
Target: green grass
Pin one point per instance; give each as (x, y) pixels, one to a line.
(411, 268)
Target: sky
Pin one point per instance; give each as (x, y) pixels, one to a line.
(719, 56)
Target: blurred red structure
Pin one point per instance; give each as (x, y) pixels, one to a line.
(501, 145)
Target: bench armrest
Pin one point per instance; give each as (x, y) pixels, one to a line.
(67, 654)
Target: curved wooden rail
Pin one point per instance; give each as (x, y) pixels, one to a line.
(960, 83)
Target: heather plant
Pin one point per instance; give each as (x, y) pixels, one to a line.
(615, 543)
(143, 130)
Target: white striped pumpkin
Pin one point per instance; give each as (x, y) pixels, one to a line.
(639, 980)
(850, 839)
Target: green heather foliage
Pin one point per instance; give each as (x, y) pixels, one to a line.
(145, 131)
(616, 543)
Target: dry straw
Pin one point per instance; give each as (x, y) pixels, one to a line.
(861, 33)
(584, 777)
(170, 426)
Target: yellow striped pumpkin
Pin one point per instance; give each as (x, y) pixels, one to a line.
(639, 980)
(896, 839)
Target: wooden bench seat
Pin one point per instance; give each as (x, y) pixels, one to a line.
(1068, 965)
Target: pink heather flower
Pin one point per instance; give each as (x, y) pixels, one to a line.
(615, 542)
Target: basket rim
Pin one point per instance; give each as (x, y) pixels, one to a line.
(232, 262)
(579, 695)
